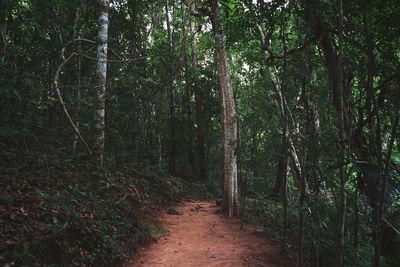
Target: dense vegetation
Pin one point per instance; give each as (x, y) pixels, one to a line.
(316, 91)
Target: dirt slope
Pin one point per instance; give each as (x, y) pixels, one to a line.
(202, 237)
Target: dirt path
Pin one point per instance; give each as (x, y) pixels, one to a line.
(204, 238)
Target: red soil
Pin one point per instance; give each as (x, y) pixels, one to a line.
(203, 237)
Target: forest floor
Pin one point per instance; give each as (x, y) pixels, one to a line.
(201, 236)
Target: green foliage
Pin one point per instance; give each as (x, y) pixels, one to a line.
(82, 219)
(86, 214)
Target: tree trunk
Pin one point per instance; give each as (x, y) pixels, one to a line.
(188, 88)
(101, 78)
(383, 185)
(286, 114)
(312, 125)
(172, 138)
(78, 69)
(5, 7)
(282, 168)
(202, 119)
(342, 136)
(229, 119)
(331, 55)
(201, 105)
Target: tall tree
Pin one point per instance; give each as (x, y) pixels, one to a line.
(101, 79)
(229, 119)
(342, 136)
(201, 94)
(171, 89)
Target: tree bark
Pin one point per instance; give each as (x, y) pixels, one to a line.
(229, 120)
(172, 137)
(101, 79)
(342, 136)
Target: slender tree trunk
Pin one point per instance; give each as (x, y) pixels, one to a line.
(382, 188)
(201, 105)
(159, 142)
(5, 6)
(376, 226)
(342, 136)
(285, 208)
(312, 124)
(331, 56)
(369, 82)
(64, 108)
(78, 69)
(229, 119)
(202, 119)
(300, 256)
(171, 91)
(285, 169)
(188, 88)
(287, 117)
(334, 63)
(285, 133)
(101, 79)
(282, 168)
(374, 135)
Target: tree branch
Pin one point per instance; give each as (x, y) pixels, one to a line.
(58, 92)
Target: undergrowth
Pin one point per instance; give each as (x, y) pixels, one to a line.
(319, 237)
(69, 213)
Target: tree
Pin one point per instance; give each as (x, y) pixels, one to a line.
(202, 105)
(101, 79)
(171, 91)
(342, 136)
(228, 116)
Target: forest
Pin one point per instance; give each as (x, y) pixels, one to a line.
(285, 113)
